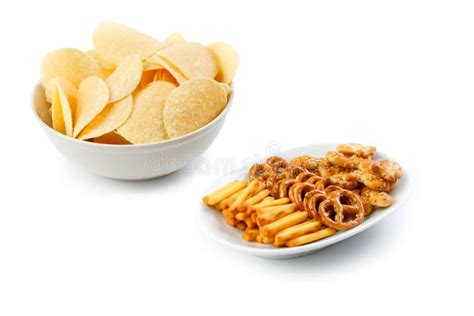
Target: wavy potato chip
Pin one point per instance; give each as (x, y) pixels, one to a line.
(174, 38)
(145, 124)
(165, 75)
(70, 64)
(106, 68)
(92, 97)
(68, 88)
(151, 64)
(61, 111)
(227, 61)
(115, 42)
(111, 138)
(126, 77)
(111, 117)
(187, 61)
(192, 105)
(147, 77)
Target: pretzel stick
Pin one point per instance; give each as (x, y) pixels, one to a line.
(323, 233)
(253, 200)
(268, 203)
(290, 220)
(213, 199)
(250, 234)
(219, 190)
(275, 214)
(296, 231)
(252, 187)
(228, 201)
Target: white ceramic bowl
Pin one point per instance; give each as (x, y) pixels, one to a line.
(129, 162)
(215, 224)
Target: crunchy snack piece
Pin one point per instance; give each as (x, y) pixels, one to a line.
(353, 149)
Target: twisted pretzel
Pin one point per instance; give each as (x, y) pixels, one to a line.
(342, 210)
(297, 193)
(259, 171)
(311, 202)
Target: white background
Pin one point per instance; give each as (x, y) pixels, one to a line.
(395, 74)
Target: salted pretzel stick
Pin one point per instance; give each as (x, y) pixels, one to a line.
(250, 223)
(259, 238)
(267, 240)
(241, 216)
(224, 192)
(296, 231)
(228, 201)
(268, 203)
(305, 239)
(241, 225)
(253, 200)
(219, 190)
(227, 213)
(276, 213)
(250, 234)
(271, 209)
(252, 187)
(290, 220)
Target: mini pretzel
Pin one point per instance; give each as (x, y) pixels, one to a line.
(284, 186)
(298, 191)
(308, 177)
(311, 202)
(342, 210)
(259, 171)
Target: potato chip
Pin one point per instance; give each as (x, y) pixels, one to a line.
(151, 64)
(70, 64)
(125, 78)
(187, 61)
(145, 124)
(147, 77)
(106, 68)
(111, 117)
(67, 87)
(174, 38)
(61, 112)
(165, 75)
(115, 42)
(227, 61)
(192, 105)
(92, 97)
(111, 138)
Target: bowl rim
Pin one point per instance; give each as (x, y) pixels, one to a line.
(170, 142)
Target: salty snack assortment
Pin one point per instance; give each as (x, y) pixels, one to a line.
(292, 203)
(134, 89)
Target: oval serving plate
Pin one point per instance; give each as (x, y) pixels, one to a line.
(215, 225)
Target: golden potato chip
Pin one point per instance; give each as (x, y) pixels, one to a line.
(111, 138)
(187, 61)
(147, 77)
(227, 61)
(67, 87)
(106, 69)
(174, 38)
(165, 75)
(70, 64)
(92, 97)
(114, 42)
(192, 105)
(125, 78)
(100, 62)
(145, 123)
(227, 89)
(61, 112)
(151, 64)
(111, 117)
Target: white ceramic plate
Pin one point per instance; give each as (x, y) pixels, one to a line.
(215, 225)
